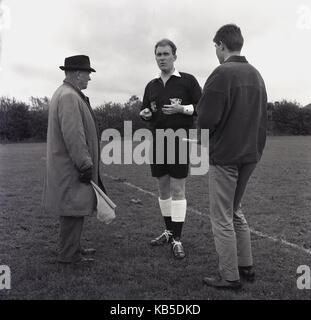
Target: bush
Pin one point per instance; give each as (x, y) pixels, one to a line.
(14, 120)
(306, 121)
(109, 115)
(38, 118)
(19, 121)
(113, 115)
(289, 118)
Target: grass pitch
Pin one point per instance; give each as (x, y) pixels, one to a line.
(277, 203)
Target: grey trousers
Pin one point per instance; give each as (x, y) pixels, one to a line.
(69, 239)
(231, 232)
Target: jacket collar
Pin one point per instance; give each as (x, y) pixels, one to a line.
(87, 101)
(175, 73)
(81, 94)
(241, 59)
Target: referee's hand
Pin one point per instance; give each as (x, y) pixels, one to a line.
(172, 108)
(146, 114)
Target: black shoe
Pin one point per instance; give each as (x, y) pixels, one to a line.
(165, 237)
(178, 250)
(220, 283)
(86, 251)
(247, 273)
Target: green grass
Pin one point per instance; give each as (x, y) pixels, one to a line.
(277, 202)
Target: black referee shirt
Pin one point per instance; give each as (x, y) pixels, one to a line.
(185, 87)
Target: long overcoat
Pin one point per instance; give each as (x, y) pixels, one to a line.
(72, 146)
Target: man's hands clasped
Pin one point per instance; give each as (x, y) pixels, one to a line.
(168, 109)
(172, 108)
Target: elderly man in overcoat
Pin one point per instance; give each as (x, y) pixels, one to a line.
(72, 159)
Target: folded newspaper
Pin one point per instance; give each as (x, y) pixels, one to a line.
(105, 206)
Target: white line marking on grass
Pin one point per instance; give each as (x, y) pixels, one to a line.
(282, 241)
(146, 192)
(156, 196)
(257, 233)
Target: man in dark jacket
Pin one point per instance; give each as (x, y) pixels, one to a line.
(233, 107)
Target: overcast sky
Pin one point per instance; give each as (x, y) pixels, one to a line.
(119, 37)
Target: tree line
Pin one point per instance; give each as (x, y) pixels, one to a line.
(20, 121)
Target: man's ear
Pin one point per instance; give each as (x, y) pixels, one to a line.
(175, 57)
(222, 46)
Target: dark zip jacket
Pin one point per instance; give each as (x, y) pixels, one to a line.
(234, 107)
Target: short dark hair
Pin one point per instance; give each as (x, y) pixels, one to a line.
(231, 36)
(166, 42)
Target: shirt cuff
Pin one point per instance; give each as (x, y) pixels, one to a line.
(188, 109)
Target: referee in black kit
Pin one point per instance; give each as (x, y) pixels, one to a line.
(170, 103)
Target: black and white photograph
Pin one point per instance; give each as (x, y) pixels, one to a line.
(155, 152)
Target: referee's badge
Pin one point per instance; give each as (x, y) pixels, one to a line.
(153, 106)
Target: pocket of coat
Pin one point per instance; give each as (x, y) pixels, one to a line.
(82, 197)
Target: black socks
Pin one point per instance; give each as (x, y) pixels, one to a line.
(176, 230)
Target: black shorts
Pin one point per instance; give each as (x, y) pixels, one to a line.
(177, 168)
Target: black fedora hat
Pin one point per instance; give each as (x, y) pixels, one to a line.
(77, 63)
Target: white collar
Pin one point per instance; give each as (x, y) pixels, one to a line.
(175, 73)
